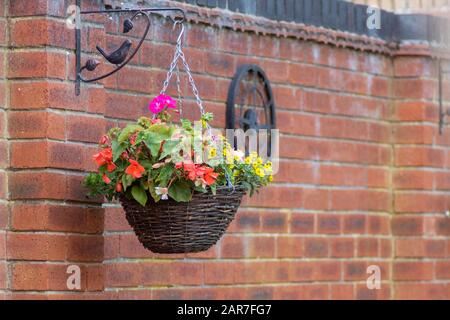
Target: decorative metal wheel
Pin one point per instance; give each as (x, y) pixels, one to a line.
(250, 103)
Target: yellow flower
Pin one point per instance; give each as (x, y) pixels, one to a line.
(259, 172)
(259, 161)
(268, 167)
(212, 153)
(270, 178)
(248, 160)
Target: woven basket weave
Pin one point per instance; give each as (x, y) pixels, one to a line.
(183, 227)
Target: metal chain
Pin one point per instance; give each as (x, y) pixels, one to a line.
(180, 98)
(177, 55)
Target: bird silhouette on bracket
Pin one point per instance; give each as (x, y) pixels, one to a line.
(123, 54)
(118, 55)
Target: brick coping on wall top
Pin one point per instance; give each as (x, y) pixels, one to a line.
(334, 22)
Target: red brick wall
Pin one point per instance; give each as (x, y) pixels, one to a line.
(3, 154)
(364, 174)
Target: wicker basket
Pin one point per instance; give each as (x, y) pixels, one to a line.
(173, 227)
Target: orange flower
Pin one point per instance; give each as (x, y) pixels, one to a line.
(106, 179)
(111, 167)
(104, 140)
(103, 157)
(119, 187)
(198, 172)
(135, 169)
(210, 176)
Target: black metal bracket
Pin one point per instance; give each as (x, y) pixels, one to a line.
(442, 112)
(121, 56)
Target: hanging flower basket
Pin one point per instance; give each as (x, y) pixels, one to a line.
(174, 227)
(179, 184)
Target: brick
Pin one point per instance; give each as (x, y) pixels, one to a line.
(413, 67)
(231, 247)
(415, 89)
(443, 226)
(380, 225)
(407, 225)
(303, 75)
(342, 292)
(31, 64)
(421, 291)
(316, 247)
(156, 273)
(413, 179)
(85, 129)
(234, 42)
(316, 199)
(136, 79)
(20, 152)
(367, 247)
(328, 224)
(246, 221)
(62, 218)
(419, 156)
(261, 247)
(36, 247)
(220, 64)
(289, 247)
(414, 134)
(408, 111)
(343, 248)
(31, 124)
(274, 222)
(264, 46)
(420, 202)
(46, 185)
(38, 7)
(355, 270)
(218, 273)
(85, 248)
(443, 270)
(408, 271)
(303, 223)
(41, 32)
(354, 224)
(123, 274)
(3, 273)
(280, 197)
(419, 248)
(45, 277)
(115, 219)
(117, 106)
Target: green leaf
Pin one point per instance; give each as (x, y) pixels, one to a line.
(180, 191)
(127, 181)
(117, 149)
(128, 131)
(139, 195)
(168, 147)
(151, 189)
(147, 164)
(155, 135)
(214, 189)
(163, 132)
(165, 175)
(187, 125)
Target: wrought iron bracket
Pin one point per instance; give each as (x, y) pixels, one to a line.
(442, 112)
(122, 55)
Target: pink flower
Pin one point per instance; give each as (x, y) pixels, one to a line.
(160, 102)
